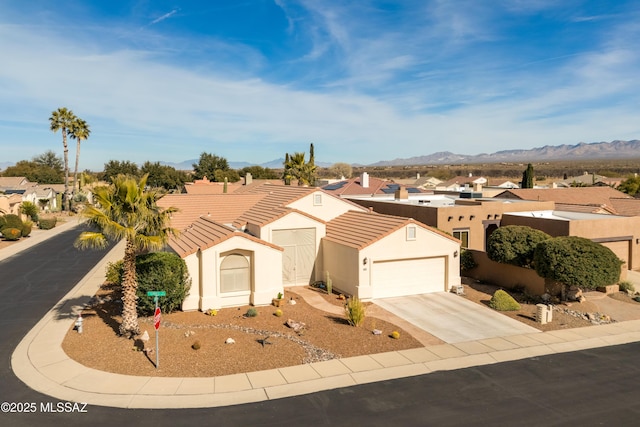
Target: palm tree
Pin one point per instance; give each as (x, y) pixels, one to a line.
(79, 131)
(299, 169)
(126, 211)
(62, 119)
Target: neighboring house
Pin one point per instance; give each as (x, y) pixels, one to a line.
(588, 179)
(366, 185)
(36, 193)
(278, 240)
(31, 191)
(13, 182)
(204, 186)
(10, 203)
(619, 233)
(427, 182)
(462, 183)
(578, 199)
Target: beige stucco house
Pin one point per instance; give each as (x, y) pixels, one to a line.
(289, 236)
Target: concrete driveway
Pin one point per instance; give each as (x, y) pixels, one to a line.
(453, 318)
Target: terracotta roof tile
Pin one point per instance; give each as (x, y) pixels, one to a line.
(573, 195)
(205, 233)
(626, 206)
(223, 208)
(361, 229)
(353, 187)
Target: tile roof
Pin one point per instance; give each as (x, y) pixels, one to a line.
(212, 188)
(205, 233)
(273, 205)
(361, 229)
(13, 181)
(626, 206)
(574, 195)
(223, 208)
(591, 208)
(353, 187)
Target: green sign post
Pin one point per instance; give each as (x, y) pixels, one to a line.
(156, 320)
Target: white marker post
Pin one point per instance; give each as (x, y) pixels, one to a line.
(156, 320)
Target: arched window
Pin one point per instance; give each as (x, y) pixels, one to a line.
(234, 274)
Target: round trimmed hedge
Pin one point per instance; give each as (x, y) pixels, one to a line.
(576, 261)
(161, 271)
(514, 244)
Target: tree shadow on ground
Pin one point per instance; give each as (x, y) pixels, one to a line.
(339, 320)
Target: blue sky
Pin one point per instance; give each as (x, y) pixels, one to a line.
(363, 80)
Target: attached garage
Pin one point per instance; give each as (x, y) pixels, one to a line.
(370, 256)
(400, 277)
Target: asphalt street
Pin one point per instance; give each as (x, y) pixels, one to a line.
(588, 388)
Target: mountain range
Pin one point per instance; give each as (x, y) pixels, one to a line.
(582, 151)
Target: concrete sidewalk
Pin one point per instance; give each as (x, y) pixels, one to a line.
(40, 362)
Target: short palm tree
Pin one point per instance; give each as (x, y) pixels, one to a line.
(297, 168)
(62, 119)
(79, 130)
(125, 210)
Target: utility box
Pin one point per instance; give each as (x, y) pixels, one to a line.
(544, 313)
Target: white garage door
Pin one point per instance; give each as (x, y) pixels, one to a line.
(408, 277)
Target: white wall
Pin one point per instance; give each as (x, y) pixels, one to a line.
(266, 280)
(330, 208)
(342, 264)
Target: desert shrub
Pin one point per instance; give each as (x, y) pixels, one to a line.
(514, 244)
(466, 260)
(576, 261)
(251, 312)
(47, 223)
(355, 311)
(29, 209)
(114, 271)
(502, 301)
(27, 226)
(10, 221)
(626, 286)
(161, 271)
(11, 233)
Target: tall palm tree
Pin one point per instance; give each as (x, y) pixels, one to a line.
(79, 130)
(300, 169)
(124, 210)
(62, 119)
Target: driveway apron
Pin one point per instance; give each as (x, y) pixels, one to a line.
(452, 318)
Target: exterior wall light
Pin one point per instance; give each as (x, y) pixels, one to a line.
(455, 254)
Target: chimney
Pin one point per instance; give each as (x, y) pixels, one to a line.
(248, 179)
(364, 180)
(401, 194)
(477, 187)
(417, 175)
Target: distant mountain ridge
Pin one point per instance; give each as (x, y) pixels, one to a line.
(586, 151)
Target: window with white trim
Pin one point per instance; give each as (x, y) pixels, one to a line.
(317, 199)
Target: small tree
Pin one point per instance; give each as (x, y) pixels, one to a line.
(576, 261)
(339, 170)
(527, 177)
(514, 244)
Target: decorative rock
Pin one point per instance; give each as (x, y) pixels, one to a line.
(292, 302)
(574, 293)
(545, 297)
(296, 326)
(377, 332)
(230, 341)
(145, 336)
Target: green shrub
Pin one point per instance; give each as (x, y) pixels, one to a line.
(10, 221)
(626, 286)
(27, 226)
(252, 312)
(576, 261)
(114, 271)
(466, 260)
(29, 209)
(47, 223)
(502, 301)
(11, 233)
(355, 311)
(161, 271)
(514, 244)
